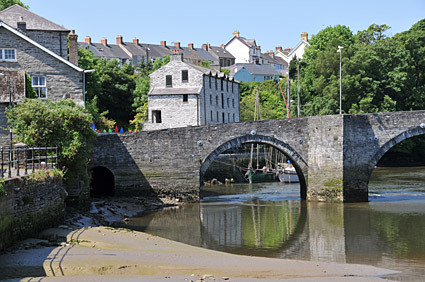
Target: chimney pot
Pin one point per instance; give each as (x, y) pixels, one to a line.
(236, 33)
(88, 40)
(205, 47)
(164, 43)
(119, 40)
(287, 50)
(279, 48)
(304, 36)
(177, 45)
(190, 45)
(222, 46)
(104, 41)
(136, 41)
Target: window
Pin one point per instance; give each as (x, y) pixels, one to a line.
(232, 87)
(228, 117)
(217, 116)
(215, 84)
(211, 116)
(39, 85)
(223, 117)
(185, 75)
(227, 85)
(233, 103)
(216, 100)
(228, 102)
(211, 100)
(185, 98)
(228, 63)
(8, 54)
(233, 117)
(168, 81)
(156, 117)
(210, 80)
(221, 81)
(222, 100)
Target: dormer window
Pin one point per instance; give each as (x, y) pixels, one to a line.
(169, 81)
(185, 76)
(8, 54)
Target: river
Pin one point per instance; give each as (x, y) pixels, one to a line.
(270, 220)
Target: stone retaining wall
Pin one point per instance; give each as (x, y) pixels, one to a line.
(29, 206)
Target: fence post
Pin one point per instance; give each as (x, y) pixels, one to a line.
(26, 160)
(32, 159)
(9, 173)
(2, 164)
(17, 161)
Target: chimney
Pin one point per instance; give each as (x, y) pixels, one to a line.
(177, 45)
(222, 46)
(205, 47)
(104, 41)
(136, 41)
(279, 48)
(88, 40)
(190, 45)
(287, 50)
(176, 56)
(304, 36)
(164, 43)
(119, 40)
(236, 33)
(259, 47)
(209, 46)
(73, 48)
(22, 25)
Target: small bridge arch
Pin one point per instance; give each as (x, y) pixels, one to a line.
(296, 159)
(102, 182)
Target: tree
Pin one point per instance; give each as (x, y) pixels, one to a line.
(7, 3)
(63, 124)
(373, 34)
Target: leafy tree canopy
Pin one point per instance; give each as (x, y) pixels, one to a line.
(7, 3)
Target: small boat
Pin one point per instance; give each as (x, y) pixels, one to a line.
(288, 174)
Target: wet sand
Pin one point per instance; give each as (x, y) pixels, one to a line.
(98, 253)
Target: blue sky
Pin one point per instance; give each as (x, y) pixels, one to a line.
(272, 23)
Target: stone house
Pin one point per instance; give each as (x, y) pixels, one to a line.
(222, 55)
(32, 44)
(184, 94)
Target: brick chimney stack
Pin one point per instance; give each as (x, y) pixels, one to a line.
(119, 40)
(164, 43)
(104, 41)
(287, 50)
(279, 48)
(176, 56)
(304, 36)
(88, 40)
(136, 41)
(73, 47)
(222, 46)
(22, 25)
(177, 45)
(190, 45)
(236, 33)
(205, 47)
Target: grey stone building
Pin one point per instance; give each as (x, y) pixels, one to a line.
(184, 94)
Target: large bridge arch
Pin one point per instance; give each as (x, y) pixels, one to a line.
(411, 132)
(296, 159)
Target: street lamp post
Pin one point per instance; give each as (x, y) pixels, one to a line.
(340, 78)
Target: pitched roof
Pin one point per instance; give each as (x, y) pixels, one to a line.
(109, 51)
(253, 69)
(135, 49)
(250, 43)
(220, 52)
(12, 14)
(26, 38)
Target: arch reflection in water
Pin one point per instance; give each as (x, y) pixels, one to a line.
(249, 225)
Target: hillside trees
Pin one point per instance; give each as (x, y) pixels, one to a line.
(7, 3)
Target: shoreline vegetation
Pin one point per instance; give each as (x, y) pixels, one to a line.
(87, 248)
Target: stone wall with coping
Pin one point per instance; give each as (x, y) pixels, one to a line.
(29, 206)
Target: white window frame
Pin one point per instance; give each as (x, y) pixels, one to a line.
(3, 54)
(38, 87)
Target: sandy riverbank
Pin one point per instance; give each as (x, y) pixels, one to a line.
(97, 253)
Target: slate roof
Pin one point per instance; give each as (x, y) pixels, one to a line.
(135, 49)
(109, 51)
(220, 52)
(253, 69)
(11, 15)
(175, 91)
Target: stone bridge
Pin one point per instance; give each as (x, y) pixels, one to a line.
(334, 155)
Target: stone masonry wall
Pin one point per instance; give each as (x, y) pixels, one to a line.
(55, 41)
(29, 207)
(62, 81)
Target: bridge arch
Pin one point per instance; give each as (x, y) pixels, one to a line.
(296, 159)
(412, 132)
(102, 182)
